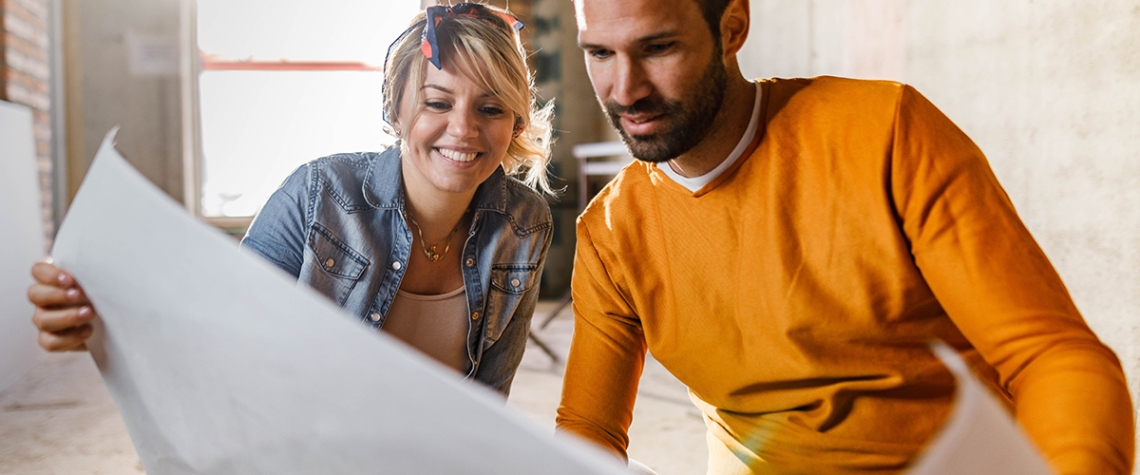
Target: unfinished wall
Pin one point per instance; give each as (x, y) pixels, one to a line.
(121, 63)
(25, 78)
(1050, 90)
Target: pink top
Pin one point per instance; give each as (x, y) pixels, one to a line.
(434, 324)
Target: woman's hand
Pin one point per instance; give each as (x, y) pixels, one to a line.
(63, 313)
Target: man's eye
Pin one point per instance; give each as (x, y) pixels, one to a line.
(600, 53)
(657, 48)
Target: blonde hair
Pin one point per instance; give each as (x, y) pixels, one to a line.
(487, 51)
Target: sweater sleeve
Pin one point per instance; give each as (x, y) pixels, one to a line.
(607, 354)
(998, 287)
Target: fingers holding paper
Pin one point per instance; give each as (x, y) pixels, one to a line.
(63, 314)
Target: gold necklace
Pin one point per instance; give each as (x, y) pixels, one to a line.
(429, 252)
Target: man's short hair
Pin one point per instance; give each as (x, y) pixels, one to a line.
(713, 10)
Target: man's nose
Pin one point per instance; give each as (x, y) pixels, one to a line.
(631, 83)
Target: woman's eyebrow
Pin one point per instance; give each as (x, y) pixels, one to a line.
(449, 91)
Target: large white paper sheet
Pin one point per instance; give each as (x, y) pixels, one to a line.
(979, 437)
(222, 365)
(21, 241)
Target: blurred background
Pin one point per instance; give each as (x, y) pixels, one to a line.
(218, 100)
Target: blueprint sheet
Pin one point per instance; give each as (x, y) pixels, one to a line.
(220, 364)
(21, 241)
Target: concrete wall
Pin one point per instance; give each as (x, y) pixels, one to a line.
(108, 87)
(1050, 90)
(26, 78)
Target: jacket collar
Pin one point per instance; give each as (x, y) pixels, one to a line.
(384, 171)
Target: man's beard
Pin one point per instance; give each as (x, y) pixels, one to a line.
(688, 122)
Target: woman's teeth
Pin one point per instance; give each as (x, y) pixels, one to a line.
(457, 156)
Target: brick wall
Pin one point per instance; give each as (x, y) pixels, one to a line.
(25, 78)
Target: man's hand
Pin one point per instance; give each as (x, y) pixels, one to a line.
(63, 313)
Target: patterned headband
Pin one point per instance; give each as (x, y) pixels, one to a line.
(437, 13)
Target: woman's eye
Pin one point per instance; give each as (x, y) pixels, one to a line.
(492, 111)
(435, 105)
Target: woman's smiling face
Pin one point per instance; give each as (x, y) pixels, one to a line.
(460, 135)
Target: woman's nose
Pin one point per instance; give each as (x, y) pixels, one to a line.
(461, 123)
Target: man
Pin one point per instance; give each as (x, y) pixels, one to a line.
(788, 248)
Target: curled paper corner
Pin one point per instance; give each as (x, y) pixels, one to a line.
(109, 139)
(108, 143)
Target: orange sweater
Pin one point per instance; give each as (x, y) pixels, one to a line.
(796, 293)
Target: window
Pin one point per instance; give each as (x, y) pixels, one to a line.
(282, 83)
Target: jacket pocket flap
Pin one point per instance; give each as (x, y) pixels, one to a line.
(513, 278)
(333, 255)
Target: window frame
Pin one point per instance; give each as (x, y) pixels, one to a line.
(193, 63)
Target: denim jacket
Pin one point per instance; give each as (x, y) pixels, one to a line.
(337, 224)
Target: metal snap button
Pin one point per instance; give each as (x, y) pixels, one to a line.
(470, 262)
(397, 265)
(329, 262)
(375, 317)
(475, 316)
(515, 282)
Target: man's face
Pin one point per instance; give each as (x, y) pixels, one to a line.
(656, 70)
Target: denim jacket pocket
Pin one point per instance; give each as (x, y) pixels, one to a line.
(509, 282)
(340, 265)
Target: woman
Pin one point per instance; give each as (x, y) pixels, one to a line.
(429, 240)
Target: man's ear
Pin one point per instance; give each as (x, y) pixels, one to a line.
(734, 26)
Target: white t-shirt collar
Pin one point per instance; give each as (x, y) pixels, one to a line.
(696, 183)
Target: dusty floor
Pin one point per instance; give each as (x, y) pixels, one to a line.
(59, 418)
